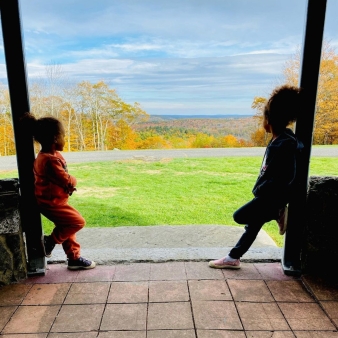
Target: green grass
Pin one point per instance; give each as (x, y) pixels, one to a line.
(169, 192)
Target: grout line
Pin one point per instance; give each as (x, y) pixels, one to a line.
(63, 303)
(191, 308)
(234, 302)
(104, 309)
(147, 315)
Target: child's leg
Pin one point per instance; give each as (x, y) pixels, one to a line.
(68, 221)
(71, 247)
(254, 214)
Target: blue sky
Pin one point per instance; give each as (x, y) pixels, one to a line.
(173, 57)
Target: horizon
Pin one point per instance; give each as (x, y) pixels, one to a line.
(203, 115)
(173, 58)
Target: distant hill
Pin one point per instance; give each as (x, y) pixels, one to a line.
(240, 126)
(180, 117)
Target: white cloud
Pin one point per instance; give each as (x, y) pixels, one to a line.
(179, 55)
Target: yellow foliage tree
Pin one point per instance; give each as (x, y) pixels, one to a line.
(153, 142)
(7, 144)
(259, 137)
(230, 141)
(121, 136)
(326, 119)
(203, 141)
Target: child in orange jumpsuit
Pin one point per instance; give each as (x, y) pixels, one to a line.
(53, 186)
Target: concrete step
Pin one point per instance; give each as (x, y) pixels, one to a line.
(167, 243)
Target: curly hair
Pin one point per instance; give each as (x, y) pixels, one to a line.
(283, 107)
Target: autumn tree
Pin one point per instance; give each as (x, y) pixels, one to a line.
(104, 108)
(326, 118)
(7, 144)
(259, 136)
(122, 136)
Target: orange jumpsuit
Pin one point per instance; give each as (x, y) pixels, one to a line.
(53, 185)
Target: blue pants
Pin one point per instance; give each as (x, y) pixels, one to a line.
(253, 214)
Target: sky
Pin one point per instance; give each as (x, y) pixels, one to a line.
(178, 57)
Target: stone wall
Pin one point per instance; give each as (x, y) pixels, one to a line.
(320, 245)
(13, 264)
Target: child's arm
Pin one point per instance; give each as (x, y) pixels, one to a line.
(56, 172)
(279, 174)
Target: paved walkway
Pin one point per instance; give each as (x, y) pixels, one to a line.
(169, 300)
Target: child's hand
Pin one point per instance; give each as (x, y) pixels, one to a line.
(70, 189)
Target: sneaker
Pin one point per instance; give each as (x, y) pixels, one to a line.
(282, 220)
(225, 263)
(80, 263)
(48, 245)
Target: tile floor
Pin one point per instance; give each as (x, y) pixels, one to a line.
(169, 300)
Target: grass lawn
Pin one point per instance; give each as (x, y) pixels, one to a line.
(169, 192)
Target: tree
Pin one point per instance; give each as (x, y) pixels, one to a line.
(104, 107)
(7, 144)
(259, 137)
(153, 142)
(326, 118)
(122, 136)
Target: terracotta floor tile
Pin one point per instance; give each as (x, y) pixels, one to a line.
(171, 334)
(168, 291)
(321, 289)
(5, 314)
(247, 271)
(272, 271)
(249, 290)
(55, 273)
(32, 319)
(13, 294)
(216, 315)
(305, 316)
(124, 317)
(99, 274)
(78, 318)
(209, 290)
(88, 293)
(123, 334)
(261, 317)
(220, 334)
(132, 272)
(170, 316)
(289, 291)
(201, 270)
(128, 292)
(167, 271)
(269, 334)
(46, 294)
(73, 335)
(27, 335)
(331, 309)
(316, 334)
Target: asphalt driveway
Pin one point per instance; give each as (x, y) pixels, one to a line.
(9, 162)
